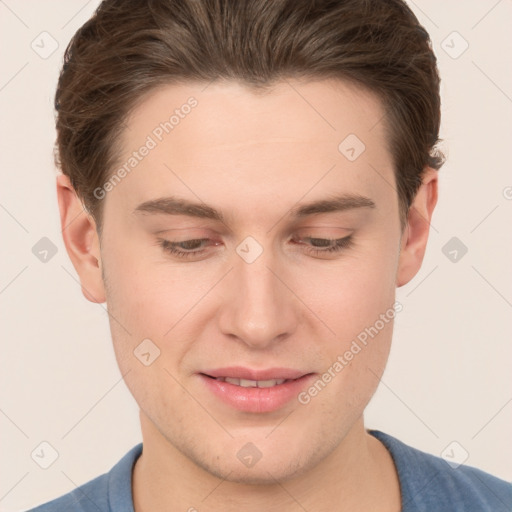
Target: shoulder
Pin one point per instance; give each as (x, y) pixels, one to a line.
(430, 483)
(92, 496)
(104, 493)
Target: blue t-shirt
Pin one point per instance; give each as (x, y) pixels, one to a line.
(427, 483)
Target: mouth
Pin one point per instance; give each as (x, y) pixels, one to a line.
(247, 383)
(255, 391)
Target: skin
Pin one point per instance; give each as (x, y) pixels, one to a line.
(253, 157)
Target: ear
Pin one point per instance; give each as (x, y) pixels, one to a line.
(81, 240)
(415, 234)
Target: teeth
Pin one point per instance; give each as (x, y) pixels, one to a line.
(269, 383)
(248, 383)
(245, 383)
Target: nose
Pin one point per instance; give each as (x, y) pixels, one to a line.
(258, 309)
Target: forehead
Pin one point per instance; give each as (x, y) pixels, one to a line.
(209, 140)
(228, 113)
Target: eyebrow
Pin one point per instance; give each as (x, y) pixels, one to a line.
(178, 206)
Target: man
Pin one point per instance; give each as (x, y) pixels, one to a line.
(258, 178)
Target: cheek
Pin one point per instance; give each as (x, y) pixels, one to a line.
(355, 299)
(151, 298)
(349, 294)
(142, 291)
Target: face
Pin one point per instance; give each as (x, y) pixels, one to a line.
(247, 244)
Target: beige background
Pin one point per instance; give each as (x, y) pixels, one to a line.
(449, 376)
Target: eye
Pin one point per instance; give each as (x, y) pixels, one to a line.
(185, 248)
(198, 246)
(318, 246)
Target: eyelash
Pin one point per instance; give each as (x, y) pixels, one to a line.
(339, 245)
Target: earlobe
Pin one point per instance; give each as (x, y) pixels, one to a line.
(81, 240)
(415, 235)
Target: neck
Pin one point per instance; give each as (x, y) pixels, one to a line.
(358, 475)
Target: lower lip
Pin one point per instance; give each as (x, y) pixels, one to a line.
(256, 399)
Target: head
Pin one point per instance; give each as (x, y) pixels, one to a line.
(251, 181)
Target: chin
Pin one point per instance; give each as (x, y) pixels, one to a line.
(263, 473)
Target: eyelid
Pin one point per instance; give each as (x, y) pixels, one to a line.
(333, 247)
(333, 244)
(327, 227)
(328, 234)
(193, 229)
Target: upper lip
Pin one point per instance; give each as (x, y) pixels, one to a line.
(240, 372)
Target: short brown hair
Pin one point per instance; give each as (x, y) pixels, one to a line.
(129, 47)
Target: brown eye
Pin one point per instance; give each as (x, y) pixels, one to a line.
(185, 248)
(325, 245)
